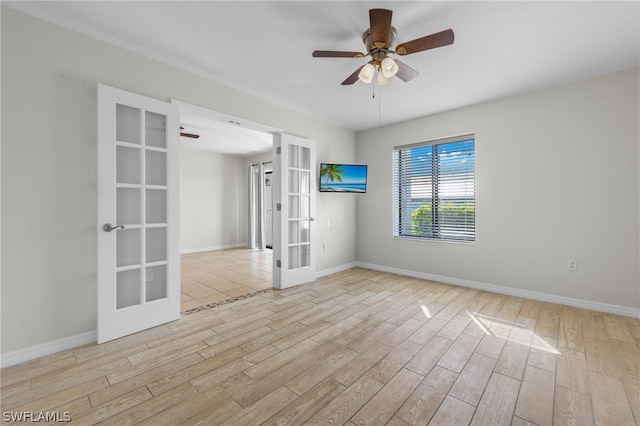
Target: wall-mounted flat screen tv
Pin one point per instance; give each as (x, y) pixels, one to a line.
(343, 178)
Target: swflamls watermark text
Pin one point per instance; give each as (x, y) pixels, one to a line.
(32, 416)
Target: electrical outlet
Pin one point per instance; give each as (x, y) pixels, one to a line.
(572, 265)
(149, 275)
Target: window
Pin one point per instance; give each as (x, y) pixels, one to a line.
(434, 190)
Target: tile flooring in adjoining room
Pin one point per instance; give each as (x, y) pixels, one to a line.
(211, 277)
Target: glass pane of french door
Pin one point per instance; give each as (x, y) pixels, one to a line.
(141, 193)
(299, 193)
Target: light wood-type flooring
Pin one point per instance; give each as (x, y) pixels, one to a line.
(359, 347)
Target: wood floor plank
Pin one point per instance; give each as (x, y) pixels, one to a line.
(498, 402)
(322, 369)
(55, 399)
(170, 378)
(617, 328)
(382, 406)
(391, 364)
(427, 331)
(600, 357)
(429, 355)
(535, 402)
(422, 404)
(371, 337)
(634, 327)
(203, 405)
(402, 332)
(113, 407)
(240, 339)
(258, 389)
(280, 359)
(628, 359)
(455, 327)
(359, 365)
(301, 409)
(346, 404)
(548, 320)
(544, 354)
(152, 406)
(473, 379)
(593, 325)
(67, 378)
(513, 360)
(572, 371)
(491, 346)
(610, 402)
(459, 353)
(263, 409)
(570, 329)
(300, 335)
(211, 379)
(572, 408)
(144, 379)
(452, 412)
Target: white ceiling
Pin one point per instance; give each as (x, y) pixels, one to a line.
(218, 135)
(264, 48)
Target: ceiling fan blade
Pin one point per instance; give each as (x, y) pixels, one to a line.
(353, 77)
(443, 38)
(405, 72)
(336, 54)
(380, 26)
(189, 135)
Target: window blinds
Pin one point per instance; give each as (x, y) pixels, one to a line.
(434, 190)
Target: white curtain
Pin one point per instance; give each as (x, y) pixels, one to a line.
(256, 206)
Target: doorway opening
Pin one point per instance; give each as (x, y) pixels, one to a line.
(219, 260)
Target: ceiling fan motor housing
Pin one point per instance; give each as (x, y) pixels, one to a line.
(378, 53)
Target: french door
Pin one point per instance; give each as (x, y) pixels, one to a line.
(138, 209)
(294, 216)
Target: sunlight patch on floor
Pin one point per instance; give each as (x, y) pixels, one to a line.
(513, 332)
(426, 311)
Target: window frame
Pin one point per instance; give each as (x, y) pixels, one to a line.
(434, 177)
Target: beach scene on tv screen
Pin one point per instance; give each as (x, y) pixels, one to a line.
(343, 178)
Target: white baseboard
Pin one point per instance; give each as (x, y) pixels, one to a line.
(528, 294)
(212, 248)
(44, 349)
(335, 269)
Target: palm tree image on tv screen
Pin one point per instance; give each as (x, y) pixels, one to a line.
(343, 178)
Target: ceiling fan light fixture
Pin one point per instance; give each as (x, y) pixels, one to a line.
(382, 79)
(366, 73)
(389, 67)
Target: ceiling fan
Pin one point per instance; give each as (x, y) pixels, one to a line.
(188, 135)
(378, 40)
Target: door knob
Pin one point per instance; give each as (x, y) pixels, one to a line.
(109, 227)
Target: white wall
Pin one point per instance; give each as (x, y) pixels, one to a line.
(49, 157)
(557, 179)
(213, 201)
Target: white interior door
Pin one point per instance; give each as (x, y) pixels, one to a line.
(138, 209)
(294, 217)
